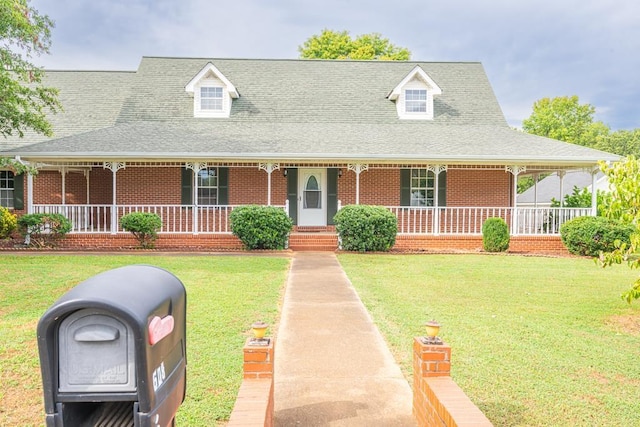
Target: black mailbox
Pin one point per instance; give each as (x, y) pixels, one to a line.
(113, 350)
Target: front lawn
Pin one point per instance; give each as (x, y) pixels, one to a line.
(535, 341)
(225, 294)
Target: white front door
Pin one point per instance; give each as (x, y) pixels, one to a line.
(312, 197)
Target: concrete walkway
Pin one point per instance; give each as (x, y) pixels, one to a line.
(332, 366)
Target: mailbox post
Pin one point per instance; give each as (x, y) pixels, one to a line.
(113, 350)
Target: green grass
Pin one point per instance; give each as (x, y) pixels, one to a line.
(535, 341)
(225, 294)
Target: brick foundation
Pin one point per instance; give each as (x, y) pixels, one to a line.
(437, 400)
(254, 404)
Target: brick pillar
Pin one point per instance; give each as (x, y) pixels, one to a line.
(431, 360)
(258, 360)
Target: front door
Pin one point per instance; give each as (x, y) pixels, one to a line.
(312, 197)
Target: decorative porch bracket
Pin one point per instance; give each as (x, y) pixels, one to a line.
(269, 168)
(196, 167)
(515, 170)
(114, 167)
(358, 168)
(436, 169)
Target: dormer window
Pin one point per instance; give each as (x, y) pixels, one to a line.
(415, 101)
(211, 98)
(414, 96)
(213, 93)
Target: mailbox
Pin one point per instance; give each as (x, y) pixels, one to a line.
(113, 350)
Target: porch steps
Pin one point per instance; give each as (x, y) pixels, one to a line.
(313, 241)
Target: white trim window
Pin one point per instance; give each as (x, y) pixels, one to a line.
(6, 189)
(208, 187)
(415, 101)
(423, 188)
(211, 98)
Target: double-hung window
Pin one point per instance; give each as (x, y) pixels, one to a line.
(415, 100)
(422, 187)
(7, 186)
(211, 98)
(208, 186)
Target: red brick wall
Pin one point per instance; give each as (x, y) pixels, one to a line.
(162, 185)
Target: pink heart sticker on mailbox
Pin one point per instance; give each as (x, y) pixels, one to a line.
(160, 328)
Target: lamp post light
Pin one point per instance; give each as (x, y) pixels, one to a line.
(432, 338)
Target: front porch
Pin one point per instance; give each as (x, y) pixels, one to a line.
(419, 228)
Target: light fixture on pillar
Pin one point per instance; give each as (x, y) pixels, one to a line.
(259, 330)
(339, 173)
(284, 172)
(432, 337)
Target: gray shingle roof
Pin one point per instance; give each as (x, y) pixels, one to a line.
(288, 109)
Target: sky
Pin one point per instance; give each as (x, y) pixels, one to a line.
(529, 49)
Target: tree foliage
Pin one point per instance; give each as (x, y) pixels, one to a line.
(565, 119)
(622, 142)
(624, 182)
(24, 101)
(331, 44)
(581, 198)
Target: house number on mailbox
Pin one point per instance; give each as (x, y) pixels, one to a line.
(158, 377)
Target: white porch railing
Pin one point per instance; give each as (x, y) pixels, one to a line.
(178, 219)
(469, 220)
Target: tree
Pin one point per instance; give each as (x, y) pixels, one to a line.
(24, 101)
(581, 198)
(565, 119)
(622, 142)
(624, 181)
(339, 45)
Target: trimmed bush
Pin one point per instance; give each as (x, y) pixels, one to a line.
(144, 226)
(495, 235)
(365, 228)
(43, 230)
(8, 223)
(588, 235)
(261, 227)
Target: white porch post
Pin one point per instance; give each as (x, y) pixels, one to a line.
(436, 169)
(269, 168)
(63, 172)
(29, 193)
(535, 189)
(358, 168)
(195, 167)
(114, 167)
(86, 175)
(561, 175)
(515, 170)
(594, 192)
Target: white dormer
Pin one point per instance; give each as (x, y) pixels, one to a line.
(212, 93)
(414, 95)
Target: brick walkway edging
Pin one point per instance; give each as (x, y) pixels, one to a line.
(437, 399)
(254, 404)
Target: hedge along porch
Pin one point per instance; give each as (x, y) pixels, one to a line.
(191, 138)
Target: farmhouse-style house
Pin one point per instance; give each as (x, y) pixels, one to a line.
(193, 138)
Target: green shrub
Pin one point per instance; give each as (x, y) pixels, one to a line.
(495, 235)
(43, 229)
(144, 226)
(588, 235)
(8, 223)
(261, 227)
(365, 228)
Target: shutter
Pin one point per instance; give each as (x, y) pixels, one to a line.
(332, 194)
(405, 187)
(18, 192)
(292, 193)
(442, 189)
(187, 187)
(223, 186)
